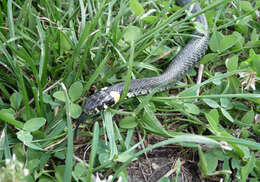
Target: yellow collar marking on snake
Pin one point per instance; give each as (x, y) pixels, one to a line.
(115, 95)
(105, 106)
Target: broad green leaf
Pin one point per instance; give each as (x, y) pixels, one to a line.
(242, 28)
(256, 63)
(214, 114)
(33, 146)
(213, 119)
(48, 100)
(60, 155)
(226, 103)
(246, 152)
(43, 178)
(75, 110)
(188, 92)
(257, 166)
(128, 122)
(136, 7)
(254, 36)
(249, 117)
(215, 41)
(123, 157)
(102, 146)
(79, 170)
(211, 103)
(256, 128)
(208, 58)
(191, 108)
(245, 5)
(132, 33)
(103, 157)
(60, 96)
(59, 172)
(226, 114)
(149, 19)
(232, 63)
(257, 4)
(235, 163)
(24, 136)
(217, 81)
(248, 168)
(16, 99)
(64, 42)
(75, 91)
(34, 124)
(227, 42)
(212, 161)
(240, 40)
(203, 162)
(8, 112)
(252, 53)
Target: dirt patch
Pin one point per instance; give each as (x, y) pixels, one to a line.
(163, 162)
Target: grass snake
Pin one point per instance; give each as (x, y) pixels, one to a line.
(187, 57)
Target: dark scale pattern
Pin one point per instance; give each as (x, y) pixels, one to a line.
(185, 60)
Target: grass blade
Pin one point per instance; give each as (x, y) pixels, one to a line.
(69, 154)
(96, 73)
(93, 151)
(83, 14)
(250, 144)
(108, 124)
(129, 71)
(42, 43)
(10, 19)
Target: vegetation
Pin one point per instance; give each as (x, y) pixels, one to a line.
(54, 54)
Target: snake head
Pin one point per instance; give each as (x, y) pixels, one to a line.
(101, 100)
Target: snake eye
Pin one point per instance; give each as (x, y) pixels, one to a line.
(101, 101)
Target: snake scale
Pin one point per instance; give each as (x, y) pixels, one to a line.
(186, 59)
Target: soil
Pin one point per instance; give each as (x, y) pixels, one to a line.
(162, 162)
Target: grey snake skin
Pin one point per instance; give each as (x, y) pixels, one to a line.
(193, 51)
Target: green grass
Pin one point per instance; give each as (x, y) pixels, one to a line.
(54, 54)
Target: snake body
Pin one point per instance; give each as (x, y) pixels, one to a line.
(188, 56)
